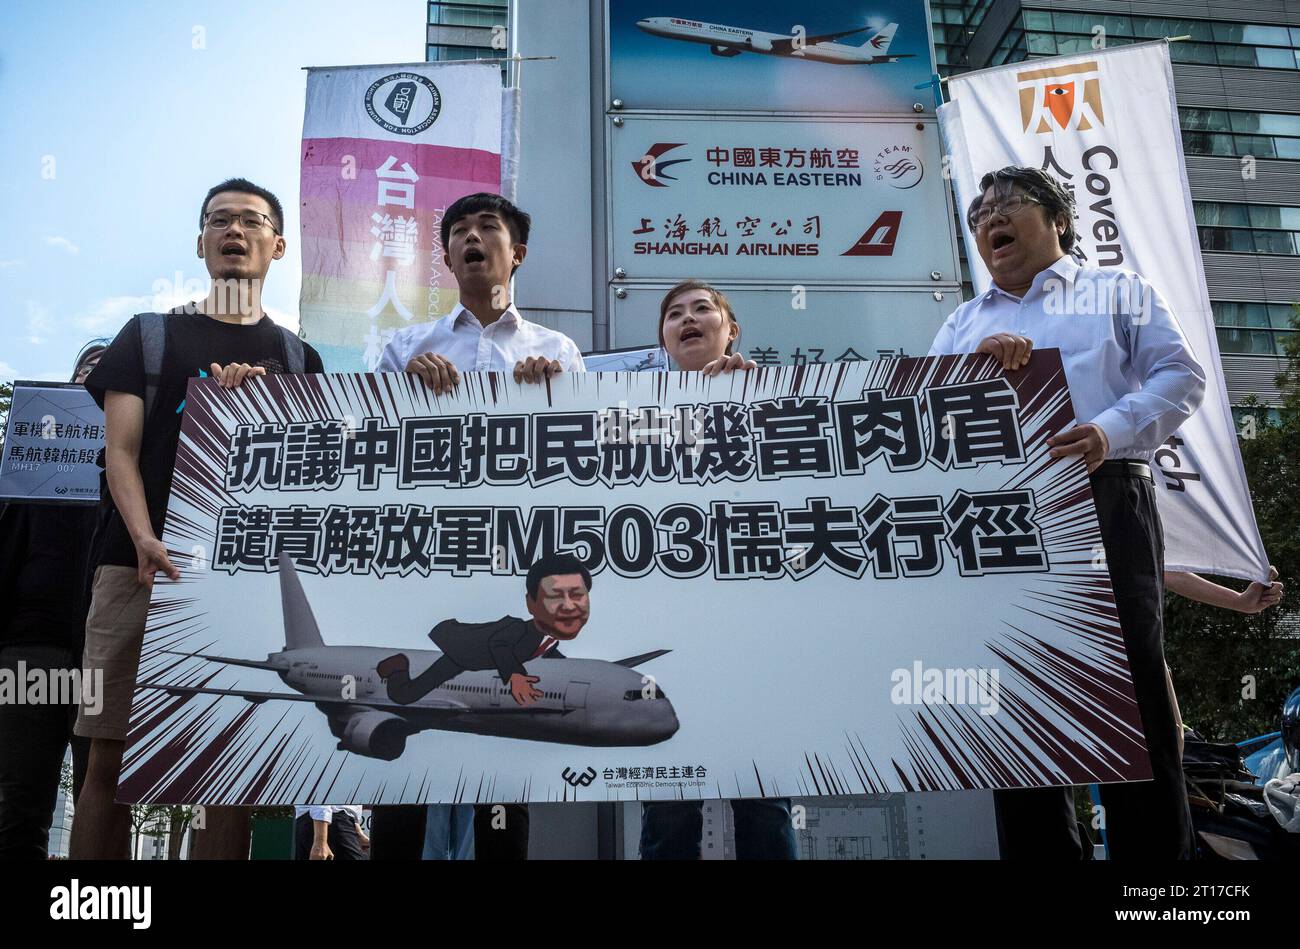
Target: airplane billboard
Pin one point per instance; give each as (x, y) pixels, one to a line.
(392, 596)
(770, 56)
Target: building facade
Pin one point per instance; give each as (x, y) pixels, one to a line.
(1237, 80)
(466, 29)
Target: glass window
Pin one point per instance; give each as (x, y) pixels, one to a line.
(1038, 20)
(1280, 315)
(1073, 44)
(1155, 28)
(1270, 58)
(1275, 242)
(1074, 22)
(1041, 43)
(1274, 123)
(1261, 146)
(1235, 55)
(1287, 148)
(1197, 53)
(1262, 35)
(1213, 213)
(1213, 120)
(1117, 25)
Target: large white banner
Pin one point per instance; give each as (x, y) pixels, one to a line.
(838, 579)
(1106, 124)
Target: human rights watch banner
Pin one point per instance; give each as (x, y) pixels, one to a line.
(835, 579)
(1105, 124)
(385, 150)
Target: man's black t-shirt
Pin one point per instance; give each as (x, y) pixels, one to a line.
(194, 343)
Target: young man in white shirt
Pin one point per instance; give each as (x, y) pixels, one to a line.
(1133, 381)
(484, 239)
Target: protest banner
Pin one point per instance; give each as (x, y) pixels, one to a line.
(53, 435)
(846, 578)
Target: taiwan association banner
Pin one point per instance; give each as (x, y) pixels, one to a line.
(841, 579)
(385, 150)
(1105, 123)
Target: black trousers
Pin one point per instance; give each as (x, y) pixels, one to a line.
(342, 837)
(1143, 820)
(501, 843)
(397, 831)
(33, 741)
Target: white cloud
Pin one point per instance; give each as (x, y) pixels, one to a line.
(7, 372)
(40, 323)
(289, 321)
(7, 264)
(109, 315)
(63, 244)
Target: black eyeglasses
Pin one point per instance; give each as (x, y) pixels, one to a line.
(1012, 204)
(249, 220)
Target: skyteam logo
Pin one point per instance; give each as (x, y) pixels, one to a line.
(403, 103)
(650, 167)
(899, 166)
(1060, 98)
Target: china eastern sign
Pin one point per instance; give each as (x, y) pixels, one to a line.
(787, 200)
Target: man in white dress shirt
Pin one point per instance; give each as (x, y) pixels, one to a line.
(484, 239)
(1133, 381)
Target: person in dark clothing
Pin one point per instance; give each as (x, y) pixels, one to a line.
(141, 382)
(44, 555)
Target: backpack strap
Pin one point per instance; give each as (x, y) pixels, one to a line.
(153, 343)
(294, 354)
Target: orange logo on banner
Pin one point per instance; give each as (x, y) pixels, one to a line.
(1068, 97)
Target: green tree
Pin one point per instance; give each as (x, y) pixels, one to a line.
(1232, 671)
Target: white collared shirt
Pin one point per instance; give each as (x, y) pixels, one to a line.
(1128, 365)
(326, 812)
(471, 346)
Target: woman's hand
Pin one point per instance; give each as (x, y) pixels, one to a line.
(730, 363)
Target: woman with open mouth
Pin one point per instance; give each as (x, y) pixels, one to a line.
(698, 329)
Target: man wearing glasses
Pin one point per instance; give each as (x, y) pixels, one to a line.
(1133, 381)
(141, 384)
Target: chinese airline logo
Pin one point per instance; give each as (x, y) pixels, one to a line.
(651, 169)
(1060, 97)
(878, 239)
(403, 103)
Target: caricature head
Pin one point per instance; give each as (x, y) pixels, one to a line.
(558, 588)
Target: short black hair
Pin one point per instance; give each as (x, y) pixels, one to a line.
(1040, 186)
(516, 220)
(554, 565)
(244, 186)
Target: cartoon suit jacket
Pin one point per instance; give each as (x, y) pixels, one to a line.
(504, 644)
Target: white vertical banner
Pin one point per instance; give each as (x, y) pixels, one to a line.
(1105, 123)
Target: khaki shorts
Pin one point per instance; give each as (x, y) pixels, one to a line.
(114, 633)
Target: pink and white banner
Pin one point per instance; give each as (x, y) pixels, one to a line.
(385, 150)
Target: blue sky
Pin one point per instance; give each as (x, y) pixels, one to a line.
(117, 118)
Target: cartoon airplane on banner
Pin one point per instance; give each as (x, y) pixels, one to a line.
(733, 40)
(584, 701)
